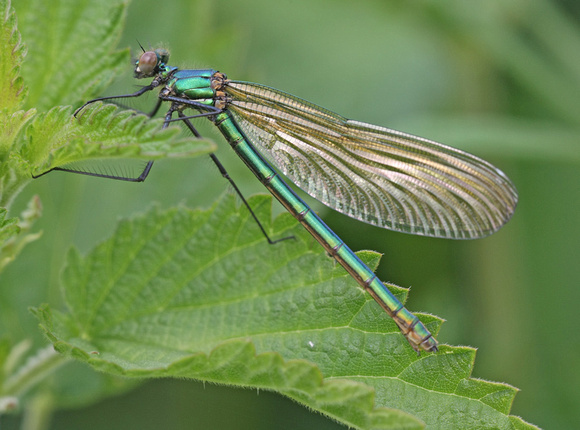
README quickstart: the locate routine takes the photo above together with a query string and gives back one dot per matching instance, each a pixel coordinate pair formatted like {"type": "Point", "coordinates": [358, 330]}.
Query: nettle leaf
{"type": "Point", "coordinates": [200, 294]}
{"type": "Point", "coordinates": [77, 61]}
{"type": "Point", "coordinates": [101, 132]}
{"type": "Point", "coordinates": [80, 58]}
{"type": "Point", "coordinates": [8, 227]}
{"type": "Point", "coordinates": [12, 90]}
{"type": "Point", "coordinates": [15, 233]}
{"type": "Point", "coordinates": [12, 53]}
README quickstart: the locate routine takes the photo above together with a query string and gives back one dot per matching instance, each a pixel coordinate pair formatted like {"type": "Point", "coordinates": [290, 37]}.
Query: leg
{"type": "Point", "coordinates": [140, 178]}
{"type": "Point", "coordinates": [147, 168]}
{"type": "Point", "coordinates": [123, 96]}
{"type": "Point", "coordinates": [194, 104]}
{"type": "Point", "coordinates": [225, 174]}
{"type": "Point", "coordinates": [223, 170]}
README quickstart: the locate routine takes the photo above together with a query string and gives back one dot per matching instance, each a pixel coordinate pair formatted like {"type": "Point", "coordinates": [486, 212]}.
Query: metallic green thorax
{"type": "Point", "coordinates": [210, 87]}
{"type": "Point", "coordinates": [193, 84]}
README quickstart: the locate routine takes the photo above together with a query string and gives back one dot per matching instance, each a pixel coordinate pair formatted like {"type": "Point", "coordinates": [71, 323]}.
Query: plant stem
{"type": "Point", "coordinates": [36, 369]}
{"type": "Point", "coordinates": [38, 412]}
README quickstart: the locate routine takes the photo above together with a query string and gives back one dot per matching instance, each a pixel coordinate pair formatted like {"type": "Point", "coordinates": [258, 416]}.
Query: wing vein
{"type": "Point", "coordinates": [371, 173]}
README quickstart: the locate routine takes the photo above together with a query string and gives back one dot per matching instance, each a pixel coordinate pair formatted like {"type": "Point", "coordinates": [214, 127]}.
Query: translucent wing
{"type": "Point", "coordinates": [374, 174]}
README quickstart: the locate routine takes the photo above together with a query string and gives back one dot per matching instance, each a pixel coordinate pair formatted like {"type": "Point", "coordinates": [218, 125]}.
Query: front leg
{"type": "Point", "coordinates": [142, 91]}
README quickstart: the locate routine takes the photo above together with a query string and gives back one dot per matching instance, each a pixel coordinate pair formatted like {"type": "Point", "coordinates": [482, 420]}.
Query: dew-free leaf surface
{"type": "Point", "coordinates": [200, 294]}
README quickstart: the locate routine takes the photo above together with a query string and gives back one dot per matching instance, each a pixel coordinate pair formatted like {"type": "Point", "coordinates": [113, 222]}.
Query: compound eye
{"type": "Point", "coordinates": [147, 63]}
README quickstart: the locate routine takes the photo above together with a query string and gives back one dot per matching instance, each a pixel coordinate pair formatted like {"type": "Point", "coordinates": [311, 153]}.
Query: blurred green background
{"type": "Point", "coordinates": [499, 79]}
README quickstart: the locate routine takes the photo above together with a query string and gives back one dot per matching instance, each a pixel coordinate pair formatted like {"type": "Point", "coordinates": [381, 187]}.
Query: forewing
{"type": "Point", "coordinates": [374, 174]}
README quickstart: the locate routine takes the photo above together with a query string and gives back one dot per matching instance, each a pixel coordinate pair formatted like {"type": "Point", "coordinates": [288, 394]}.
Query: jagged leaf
{"type": "Point", "coordinates": [32, 144]}
{"type": "Point", "coordinates": [15, 234]}
{"type": "Point", "coordinates": [100, 132]}
{"type": "Point", "coordinates": [200, 294]}
{"type": "Point", "coordinates": [12, 95]}
{"type": "Point", "coordinates": [12, 52]}
{"type": "Point", "coordinates": [81, 56]}
{"type": "Point", "coordinates": [8, 227]}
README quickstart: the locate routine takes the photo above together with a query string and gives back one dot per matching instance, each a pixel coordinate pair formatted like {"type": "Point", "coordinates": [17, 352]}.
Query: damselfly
{"type": "Point", "coordinates": [374, 174]}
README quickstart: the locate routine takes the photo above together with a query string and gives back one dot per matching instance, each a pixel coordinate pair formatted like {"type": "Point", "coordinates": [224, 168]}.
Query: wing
{"type": "Point", "coordinates": [374, 174]}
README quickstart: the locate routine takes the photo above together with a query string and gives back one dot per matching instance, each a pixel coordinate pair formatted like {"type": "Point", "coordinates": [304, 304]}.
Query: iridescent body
{"type": "Point", "coordinates": [374, 174]}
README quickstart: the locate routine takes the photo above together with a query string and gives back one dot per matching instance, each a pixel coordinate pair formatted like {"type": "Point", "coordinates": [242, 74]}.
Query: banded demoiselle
{"type": "Point", "coordinates": [374, 174]}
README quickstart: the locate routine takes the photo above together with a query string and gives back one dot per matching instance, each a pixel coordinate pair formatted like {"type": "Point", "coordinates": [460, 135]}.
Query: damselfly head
{"type": "Point", "coordinates": [150, 63]}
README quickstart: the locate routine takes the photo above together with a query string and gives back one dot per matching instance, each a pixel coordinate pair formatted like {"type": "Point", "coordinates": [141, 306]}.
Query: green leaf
{"type": "Point", "coordinates": [101, 132]}
{"type": "Point", "coordinates": [12, 88]}
{"type": "Point", "coordinates": [56, 138]}
{"type": "Point", "coordinates": [80, 57]}
{"type": "Point", "coordinates": [9, 357]}
{"type": "Point", "coordinates": [12, 53]}
{"type": "Point", "coordinates": [32, 144]}
{"type": "Point", "coordinates": [199, 294]}
{"type": "Point", "coordinates": [14, 233]}
{"type": "Point", "coordinates": [8, 226]}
